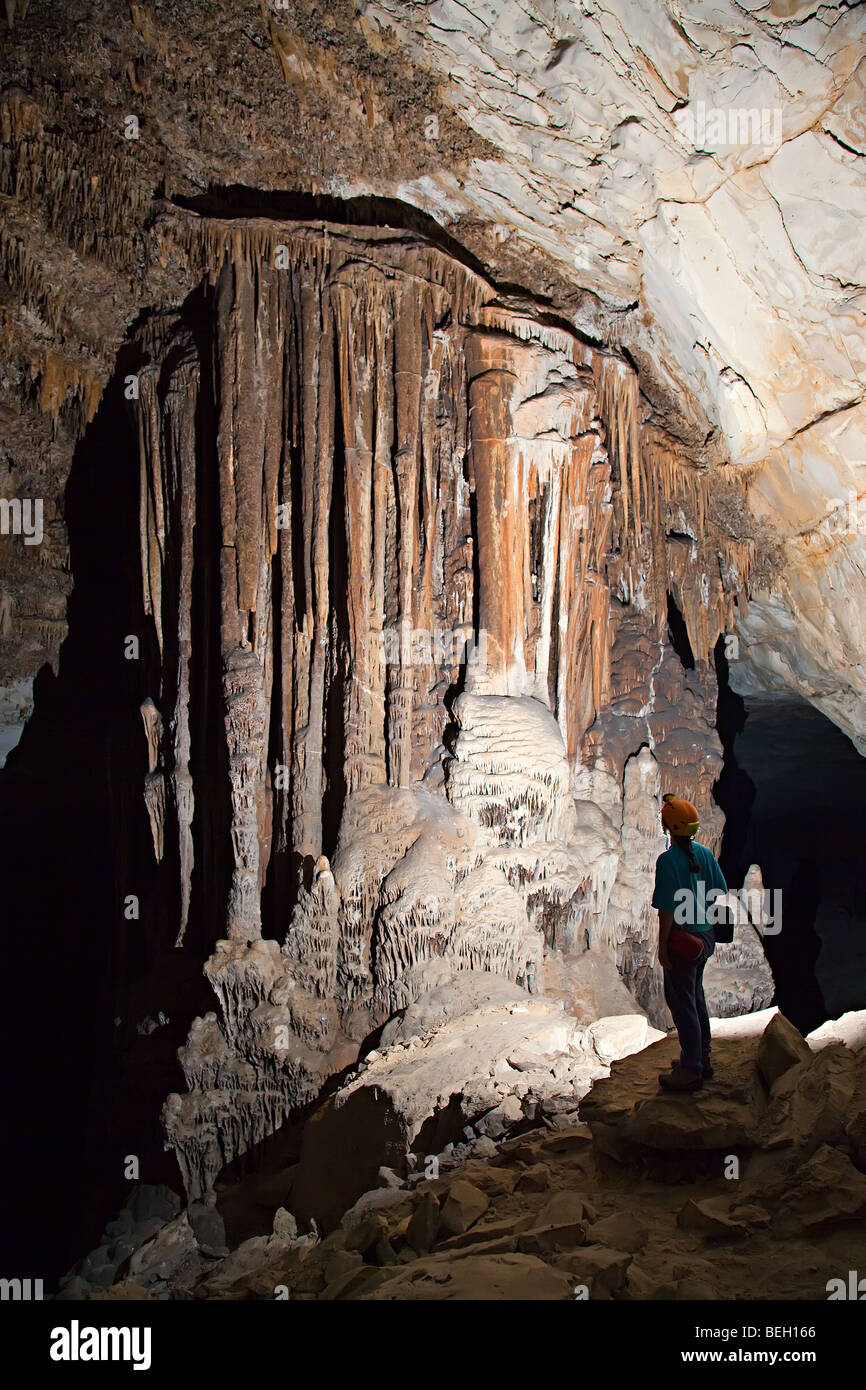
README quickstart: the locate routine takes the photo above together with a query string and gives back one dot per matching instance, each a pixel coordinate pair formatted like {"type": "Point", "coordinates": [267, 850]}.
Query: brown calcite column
{"type": "Point", "coordinates": [357, 413]}
{"type": "Point", "coordinates": [408, 386]}
{"type": "Point", "coordinates": [383, 505]}
{"type": "Point", "coordinates": [491, 384]}
{"type": "Point", "coordinates": [240, 449]}
{"type": "Point", "coordinates": [315, 407]}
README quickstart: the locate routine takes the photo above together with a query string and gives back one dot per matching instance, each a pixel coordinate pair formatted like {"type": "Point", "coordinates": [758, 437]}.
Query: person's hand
{"type": "Point", "coordinates": [666, 923]}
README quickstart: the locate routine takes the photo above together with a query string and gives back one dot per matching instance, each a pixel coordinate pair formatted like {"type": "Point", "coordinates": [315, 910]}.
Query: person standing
{"type": "Point", "coordinates": [687, 881]}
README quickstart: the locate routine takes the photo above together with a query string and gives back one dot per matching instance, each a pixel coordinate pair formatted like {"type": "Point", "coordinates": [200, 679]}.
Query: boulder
{"type": "Point", "coordinates": [619, 1036]}
{"type": "Point", "coordinates": [424, 1223]}
{"type": "Point", "coordinates": [560, 1225]}
{"type": "Point", "coordinates": [464, 1205]}
{"type": "Point", "coordinates": [483, 1147]}
{"type": "Point", "coordinates": [626, 1110]}
{"type": "Point", "coordinates": [370, 1237]}
{"type": "Point", "coordinates": [464, 993]}
{"type": "Point", "coordinates": [781, 1047]}
{"type": "Point", "coordinates": [380, 1199]}
{"type": "Point", "coordinates": [603, 1273]}
{"type": "Point", "coordinates": [535, 1178]}
{"type": "Point", "coordinates": [161, 1258]}
{"type": "Point", "coordinates": [589, 985]}
{"type": "Point", "coordinates": [711, 1217]}
{"type": "Point", "coordinates": [621, 1231]}
{"type": "Point", "coordinates": [493, 1179]}
{"type": "Point", "coordinates": [849, 1029]}
{"type": "Point", "coordinates": [811, 1103]}
{"type": "Point", "coordinates": [563, 1208]}
{"type": "Point", "coordinates": [501, 1118]}
{"type": "Point", "coordinates": [489, 1235]}
{"type": "Point", "coordinates": [825, 1191]}
{"type": "Point", "coordinates": [257, 1253]}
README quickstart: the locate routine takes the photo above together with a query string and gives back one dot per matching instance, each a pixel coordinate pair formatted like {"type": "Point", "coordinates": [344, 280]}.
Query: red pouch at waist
{"type": "Point", "coordinates": [685, 944]}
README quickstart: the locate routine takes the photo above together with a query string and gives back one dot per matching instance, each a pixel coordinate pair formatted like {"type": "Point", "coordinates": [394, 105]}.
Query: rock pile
{"type": "Point", "coordinates": [753, 1188]}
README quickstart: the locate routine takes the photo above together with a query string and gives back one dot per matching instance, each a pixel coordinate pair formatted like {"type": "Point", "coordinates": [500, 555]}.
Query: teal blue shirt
{"type": "Point", "coordinates": [689, 896]}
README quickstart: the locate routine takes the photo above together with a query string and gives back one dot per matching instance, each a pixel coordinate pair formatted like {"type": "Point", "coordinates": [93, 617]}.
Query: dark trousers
{"type": "Point", "coordinates": [684, 995]}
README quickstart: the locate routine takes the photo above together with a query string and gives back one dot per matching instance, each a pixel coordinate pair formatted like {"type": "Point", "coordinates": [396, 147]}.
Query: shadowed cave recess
{"type": "Point", "coordinates": [345, 432]}
{"type": "Point", "coordinates": [792, 790]}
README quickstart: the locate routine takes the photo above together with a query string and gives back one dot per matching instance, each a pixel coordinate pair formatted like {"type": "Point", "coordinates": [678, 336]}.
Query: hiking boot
{"type": "Point", "coordinates": [707, 1070]}
{"type": "Point", "coordinates": [681, 1079]}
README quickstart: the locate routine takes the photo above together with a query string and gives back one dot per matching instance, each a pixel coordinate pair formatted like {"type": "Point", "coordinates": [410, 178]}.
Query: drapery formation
{"type": "Point", "coordinates": [369, 482]}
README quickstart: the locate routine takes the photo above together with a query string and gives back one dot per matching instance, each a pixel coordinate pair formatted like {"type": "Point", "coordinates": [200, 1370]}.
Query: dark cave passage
{"type": "Point", "coordinates": [793, 791]}
{"type": "Point", "coordinates": [339, 646]}
{"type": "Point", "coordinates": [679, 634]}
{"type": "Point", "coordinates": [90, 1059]}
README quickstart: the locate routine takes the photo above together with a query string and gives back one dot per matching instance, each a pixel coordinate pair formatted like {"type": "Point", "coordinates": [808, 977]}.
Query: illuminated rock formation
{"type": "Point", "coordinates": [398, 453]}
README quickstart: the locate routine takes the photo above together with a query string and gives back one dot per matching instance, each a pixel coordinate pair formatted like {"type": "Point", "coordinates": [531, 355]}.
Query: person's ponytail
{"type": "Point", "coordinates": [685, 844]}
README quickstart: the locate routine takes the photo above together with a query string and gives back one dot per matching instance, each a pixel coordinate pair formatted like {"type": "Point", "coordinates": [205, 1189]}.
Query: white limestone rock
{"type": "Point", "coordinates": [423, 1096]}
{"type": "Point", "coordinates": [717, 157]}
{"type": "Point", "coordinates": [612, 1038]}
{"type": "Point", "coordinates": [849, 1029]}
{"type": "Point", "coordinates": [509, 772]}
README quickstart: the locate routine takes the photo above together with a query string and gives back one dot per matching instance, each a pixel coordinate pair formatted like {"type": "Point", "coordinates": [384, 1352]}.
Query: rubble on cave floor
{"type": "Point", "coordinates": [754, 1188]}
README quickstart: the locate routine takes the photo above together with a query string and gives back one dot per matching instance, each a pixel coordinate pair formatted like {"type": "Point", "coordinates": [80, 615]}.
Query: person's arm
{"type": "Point", "coordinates": [664, 901]}
{"type": "Point", "coordinates": [666, 921]}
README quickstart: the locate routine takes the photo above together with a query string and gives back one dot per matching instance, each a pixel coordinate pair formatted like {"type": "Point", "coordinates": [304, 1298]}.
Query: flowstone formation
{"type": "Point", "coordinates": [416, 548]}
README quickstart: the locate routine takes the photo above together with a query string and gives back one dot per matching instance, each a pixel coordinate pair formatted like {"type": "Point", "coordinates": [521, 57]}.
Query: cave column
{"type": "Point", "coordinates": [240, 452]}
{"type": "Point", "coordinates": [356, 396]}
{"type": "Point", "coordinates": [500, 563]}
{"type": "Point", "coordinates": [383, 491]}
{"type": "Point", "coordinates": [408, 388]}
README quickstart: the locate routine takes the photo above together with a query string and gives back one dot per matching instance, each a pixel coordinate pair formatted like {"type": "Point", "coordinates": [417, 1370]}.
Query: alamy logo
{"type": "Point", "coordinates": [20, 1290]}
{"type": "Point", "coordinates": [846, 516]}
{"type": "Point", "coordinates": [76, 1343]}
{"type": "Point", "coordinates": [854, 1288]}
{"type": "Point", "coordinates": [693, 907]}
{"type": "Point", "coordinates": [22, 517]}
{"type": "Point", "coordinates": [714, 127]}
{"type": "Point", "coordinates": [417, 646]}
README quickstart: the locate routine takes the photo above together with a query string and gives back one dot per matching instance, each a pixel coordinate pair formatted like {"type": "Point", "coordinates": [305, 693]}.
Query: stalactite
{"type": "Point", "coordinates": [167, 437]}
{"type": "Point", "coordinates": [618, 398]}
{"type": "Point", "coordinates": [181, 482]}
{"type": "Point", "coordinates": [154, 782]}
{"type": "Point", "coordinates": [89, 196]}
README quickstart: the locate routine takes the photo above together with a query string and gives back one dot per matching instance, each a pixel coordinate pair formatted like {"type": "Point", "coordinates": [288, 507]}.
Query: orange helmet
{"type": "Point", "coordinates": [679, 816]}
